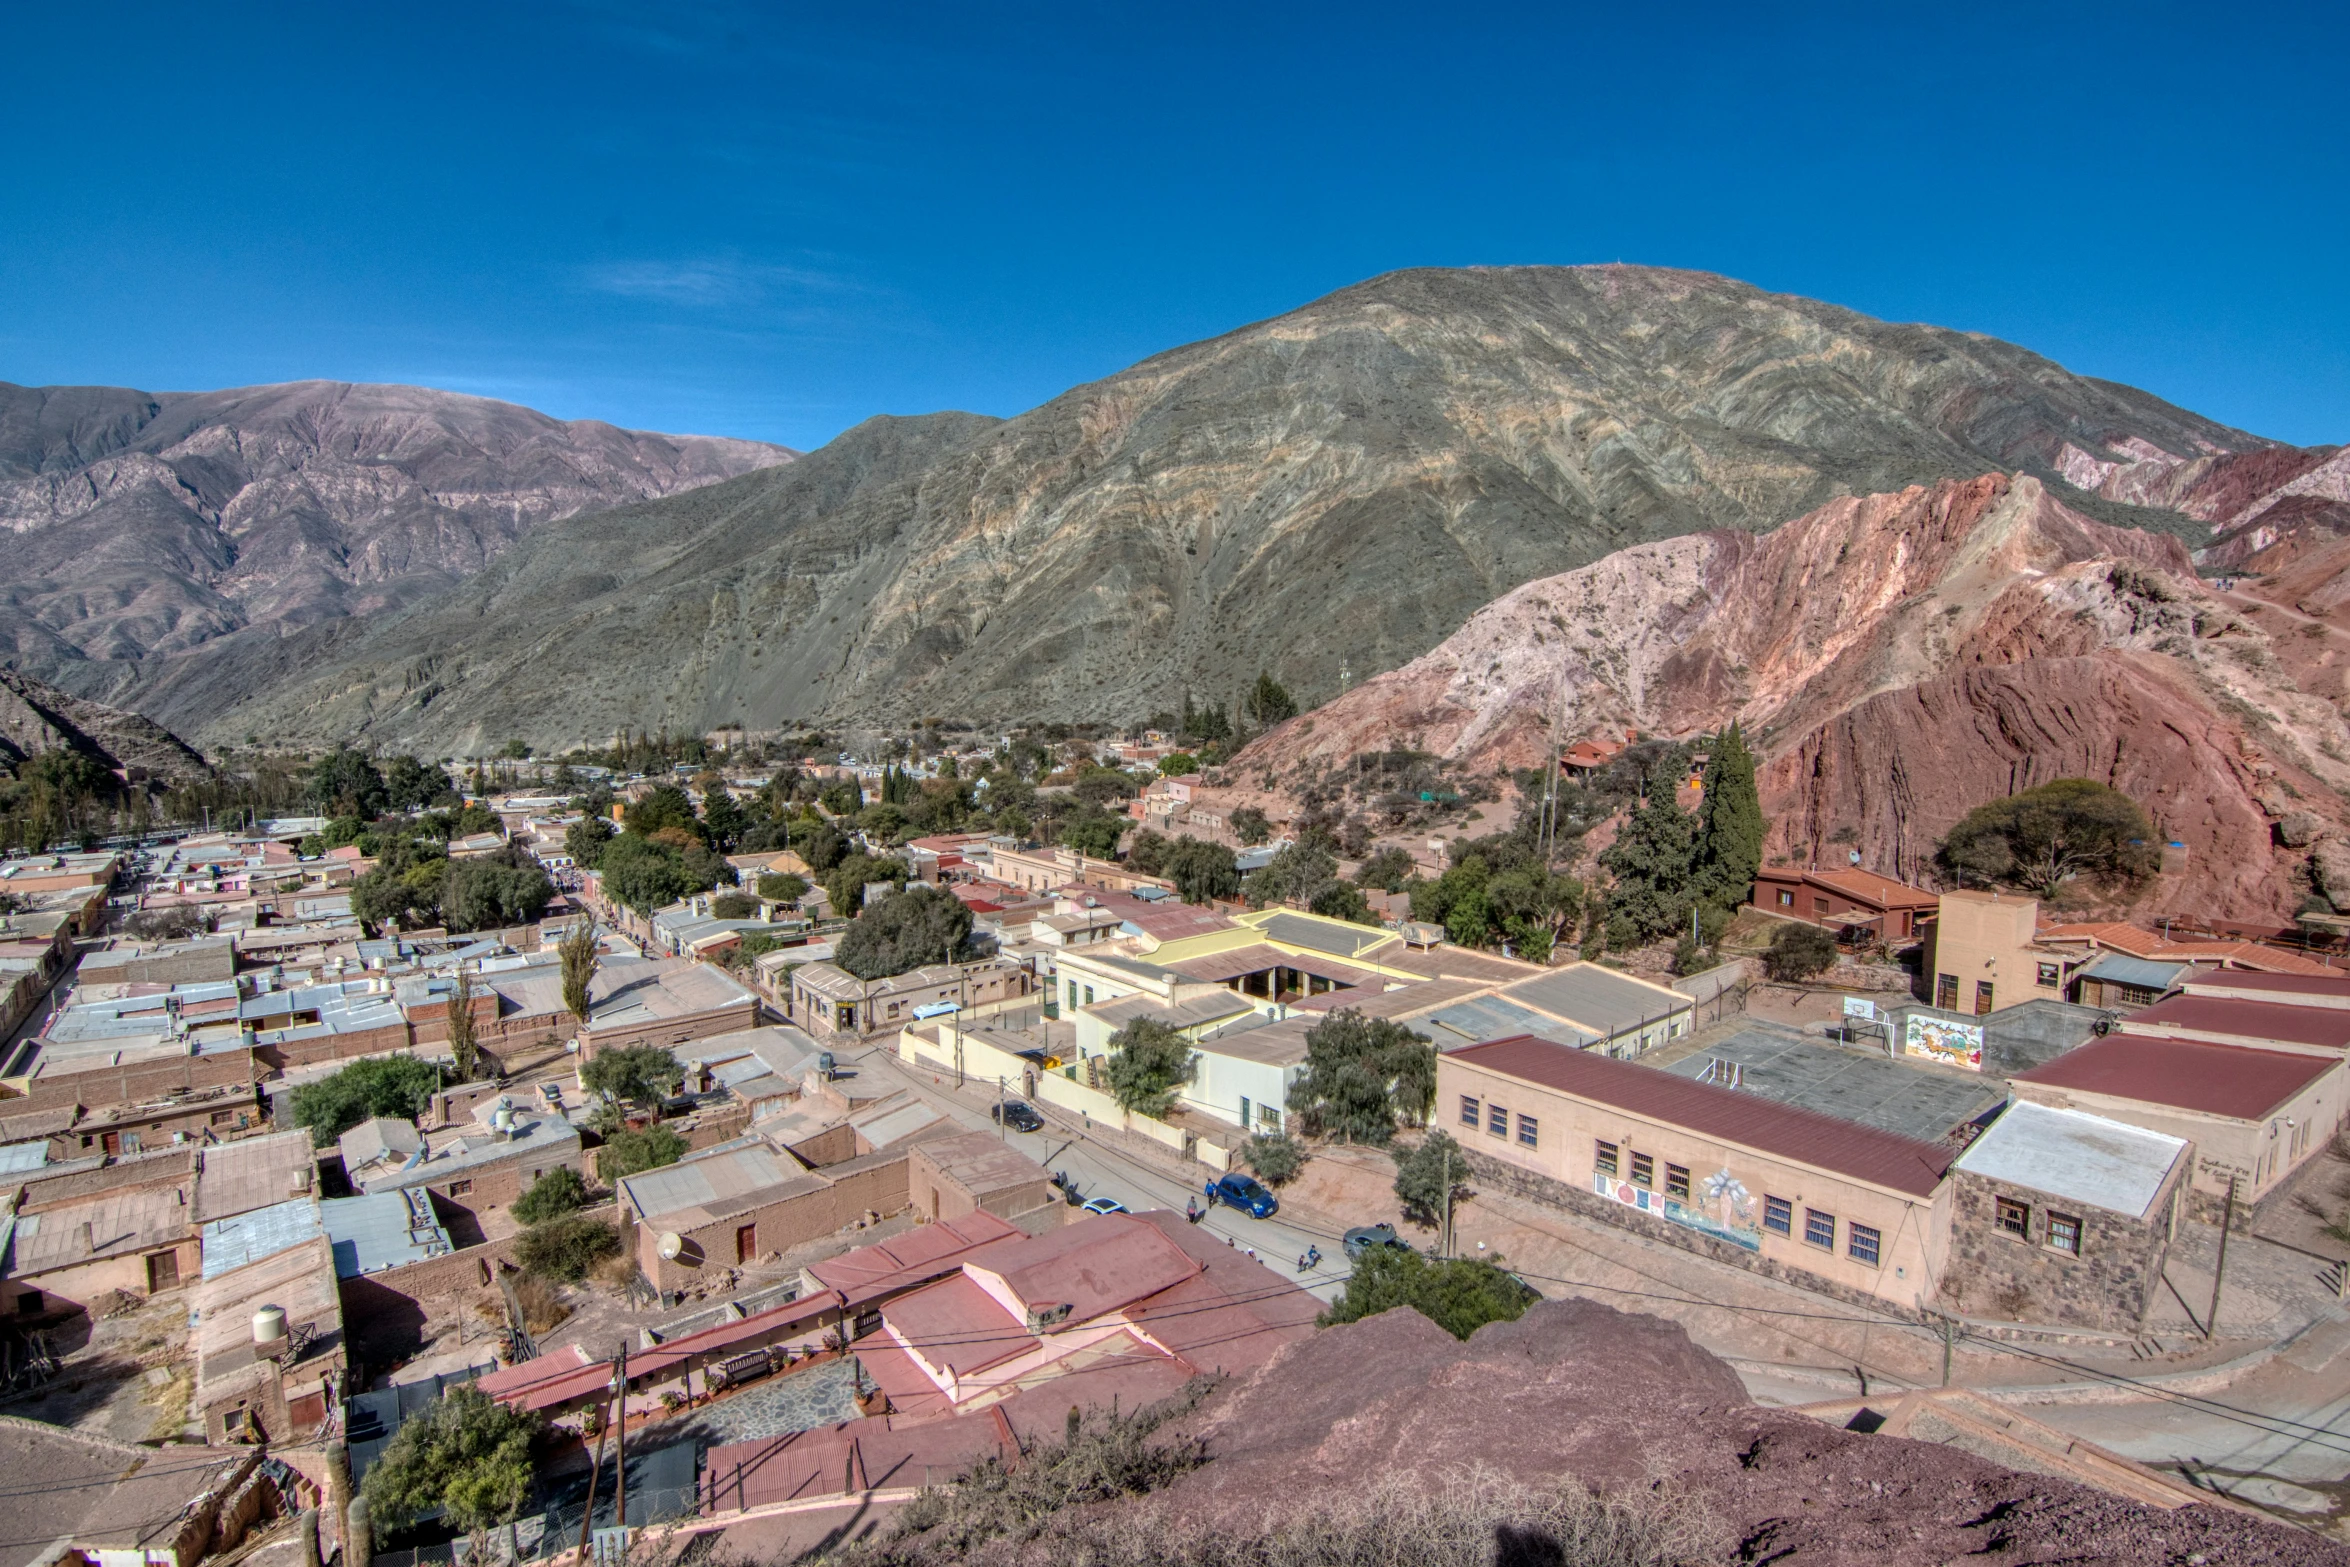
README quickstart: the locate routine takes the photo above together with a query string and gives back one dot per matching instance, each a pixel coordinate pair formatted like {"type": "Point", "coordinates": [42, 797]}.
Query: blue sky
{"type": "Point", "coordinates": [774, 222]}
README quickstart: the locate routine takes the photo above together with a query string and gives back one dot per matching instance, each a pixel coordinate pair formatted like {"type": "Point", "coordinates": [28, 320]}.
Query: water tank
{"type": "Point", "coordinates": [269, 1330]}
{"type": "Point", "coordinates": [672, 1245]}
{"type": "Point", "coordinates": [502, 1120]}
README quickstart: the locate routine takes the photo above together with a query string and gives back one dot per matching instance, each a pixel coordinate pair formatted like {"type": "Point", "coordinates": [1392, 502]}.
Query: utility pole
{"type": "Point", "coordinates": [587, 1516]}
{"type": "Point", "coordinates": [1448, 1203]}
{"type": "Point", "coordinates": [1003, 1133]}
{"type": "Point", "coordinates": [2219, 1270]}
{"type": "Point", "coordinates": [1949, 1343]}
{"type": "Point", "coordinates": [620, 1438]}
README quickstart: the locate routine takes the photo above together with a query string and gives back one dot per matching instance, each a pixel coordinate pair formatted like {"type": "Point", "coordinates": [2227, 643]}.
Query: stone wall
{"type": "Point", "coordinates": [2110, 1285]}
{"type": "Point", "coordinates": [1494, 1175]}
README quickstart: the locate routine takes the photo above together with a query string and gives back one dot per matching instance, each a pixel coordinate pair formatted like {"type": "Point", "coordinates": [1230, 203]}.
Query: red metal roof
{"type": "Point", "coordinates": [1869, 887]}
{"type": "Point", "coordinates": [925, 1252]}
{"type": "Point", "coordinates": [1822, 1141]}
{"type": "Point", "coordinates": [2237, 1081]}
{"type": "Point", "coordinates": [2277, 984]}
{"type": "Point", "coordinates": [2323, 1027]}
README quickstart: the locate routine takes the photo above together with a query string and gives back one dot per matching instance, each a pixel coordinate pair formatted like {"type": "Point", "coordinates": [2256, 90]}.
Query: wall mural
{"type": "Point", "coordinates": [1725, 1211]}
{"type": "Point", "coordinates": [1941, 1039]}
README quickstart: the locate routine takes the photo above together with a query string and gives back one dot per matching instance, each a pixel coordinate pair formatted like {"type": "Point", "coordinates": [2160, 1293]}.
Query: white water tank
{"type": "Point", "coordinates": [269, 1330]}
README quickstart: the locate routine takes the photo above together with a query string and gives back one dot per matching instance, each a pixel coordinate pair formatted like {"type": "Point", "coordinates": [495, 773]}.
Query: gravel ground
{"type": "Point", "coordinates": [822, 1395]}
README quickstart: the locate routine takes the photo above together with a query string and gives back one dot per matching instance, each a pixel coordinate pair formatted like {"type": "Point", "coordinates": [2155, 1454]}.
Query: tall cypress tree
{"type": "Point", "coordinates": [1730, 825]}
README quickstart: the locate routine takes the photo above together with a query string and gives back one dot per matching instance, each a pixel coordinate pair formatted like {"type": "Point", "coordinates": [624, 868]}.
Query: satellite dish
{"type": "Point", "coordinates": [672, 1245]}
{"type": "Point", "coordinates": [1852, 856]}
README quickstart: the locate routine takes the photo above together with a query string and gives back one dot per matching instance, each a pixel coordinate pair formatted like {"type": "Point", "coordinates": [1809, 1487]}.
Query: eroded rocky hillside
{"type": "Point", "coordinates": [1898, 659]}
{"type": "Point", "coordinates": [36, 718]}
{"type": "Point", "coordinates": [136, 527]}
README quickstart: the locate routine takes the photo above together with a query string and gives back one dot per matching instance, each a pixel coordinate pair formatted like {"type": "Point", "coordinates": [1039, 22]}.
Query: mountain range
{"type": "Point", "coordinates": [1325, 495]}
{"type": "Point", "coordinates": [141, 530]}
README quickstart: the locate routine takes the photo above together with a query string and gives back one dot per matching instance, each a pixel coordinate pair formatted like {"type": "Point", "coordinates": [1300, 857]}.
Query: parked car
{"type": "Point", "coordinates": [1105, 1205]}
{"type": "Point", "coordinates": [1019, 1115]}
{"type": "Point", "coordinates": [1364, 1237]}
{"type": "Point", "coordinates": [1244, 1192]}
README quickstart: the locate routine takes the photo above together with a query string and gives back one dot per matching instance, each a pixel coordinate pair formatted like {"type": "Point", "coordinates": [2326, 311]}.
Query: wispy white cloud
{"type": "Point", "coordinates": [710, 282]}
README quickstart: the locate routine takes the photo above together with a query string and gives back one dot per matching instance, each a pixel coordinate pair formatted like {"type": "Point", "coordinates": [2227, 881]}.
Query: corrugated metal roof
{"type": "Point", "coordinates": [2241, 1082]}
{"type": "Point", "coordinates": [1869, 1090]}
{"type": "Point", "coordinates": [718, 1177]}
{"type": "Point", "coordinates": [1344, 941]}
{"type": "Point", "coordinates": [1863, 1153]}
{"type": "Point", "coordinates": [264, 1232]}
{"type": "Point", "coordinates": [381, 1230]}
{"type": "Point", "coordinates": [2328, 1027]}
{"type": "Point", "coordinates": [1596, 998]}
{"type": "Point", "coordinates": [2121, 969]}
{"type": "Point", "coordinates": [1488, 1018]}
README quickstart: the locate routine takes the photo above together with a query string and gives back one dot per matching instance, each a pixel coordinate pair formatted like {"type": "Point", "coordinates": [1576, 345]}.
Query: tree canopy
{"type": "Point", "coordinates": [2047, 835]}
{"type": "Point", "coordinates": [1148, 1062]}
{"type": "Point", "coordinates": [1459, 1296]}
{"type": "Point", "coordinates": [397, 1086]}
{"type": "Point", "coordinates": [464, 1453]}
{"type": "Point", "coordinates": [1652, 861]}
{"type": "Point", "coordinates": [634, 1074]}
{"type": "Point", "coordinates": [1363, 1075]}
{"type": "Point", "coordinates": [554, 1194]}
{"type": "Point", "coordinates": [1425, 1175]}
{"type": "Point", "coordinates": [630, 1152]}
{"type": "Point", "coordinates": [1202, 872]}
{"type": "Point", "coordinates": [565, 1247]}
{"type": "Point", "coordinates": [1268, 702]}
{"type": "Point", "coordinates": [1730, 825]}
{"type": "Point", "coordinates": [908, 929]}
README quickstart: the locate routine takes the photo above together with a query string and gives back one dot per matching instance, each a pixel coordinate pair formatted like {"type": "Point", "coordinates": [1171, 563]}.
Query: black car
{"type": "Point", "coordinates": [1019, 1116]}
{"type": "Point", "coordinates": [1363, 1237]}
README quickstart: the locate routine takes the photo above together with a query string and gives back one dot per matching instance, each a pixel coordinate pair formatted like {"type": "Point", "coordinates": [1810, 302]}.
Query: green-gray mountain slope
{"type": "Point", "coordinates": [1334, 489]}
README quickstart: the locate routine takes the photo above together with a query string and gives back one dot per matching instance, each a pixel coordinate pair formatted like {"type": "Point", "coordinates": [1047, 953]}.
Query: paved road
{"type": "Point", "coordinates": [1101, 1167]}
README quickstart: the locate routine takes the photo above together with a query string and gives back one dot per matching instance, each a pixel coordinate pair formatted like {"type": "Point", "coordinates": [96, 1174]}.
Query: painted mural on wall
{"type": "Point", "coordinates": [1945, 1040]}
{"type": "Point", "coordinates": [1722, 1208]}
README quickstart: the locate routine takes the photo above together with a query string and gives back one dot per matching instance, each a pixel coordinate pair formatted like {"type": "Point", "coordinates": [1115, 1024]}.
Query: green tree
{"type": "Point", "coordinates": [1147, 852]}
{"type": "Point", "coordinates": [724, 818]}
{"type": "Point", "coordinates": [1202, 872]}
{"type": "Point", "coordinates": [554, 1194]}
{"type": "Point", "coordinates": [584, 841]}
{"type": "Point", "coordinates": [845, 883]}
{"type": "Point", "coordinates": [1250, 826]}
{"type": "Point", "coordinates": [1148, 1062]}
{"type": "Point", "coordinates": [1730, 825]}
{"type": "Point", "coordinates": [645, 875]}
{"type": "Point", "coordinates": [1362, 1075]}
{"type": "Point", "coordinates": [1293, 875]}
{"type": "Point", "coordinates": [462, 1048]}
{"type": "Point", "coordinates": [665, 805]}
{"type": "Point", "coordinates": [1651, 861]}
{"type": "Point", "coordinates": [397, 1086]}
{"type": "Point", "coordinates": [906, 930]}
{"type": "Point", "coordinates": [1095, 833]}
{"type": "Point", "coordinates": [1459, 1296]}
{"type": "Point", "coordinates": [1431, 1180]}
{"type": "Point", "coordinates": [631, 1152]}
{"type": "Point", "coordinates": [1389, 870]}
{"type": "Point", "coordinates": [1268, 703]}
{"type": "Point", "coordinates": [2047, 835]}
{"type": "Point", "coordinates": [782, 887]}
{"type": "Point", "coordinates": [464, 1453]}
{"type": "Point", "coordinates": [578, 955]}
{"type": "Point", "coordinates": [1276, 1157]}
{"type": "Point", "coordinates": [1340, 900]}
{"type": "Point", "coordinates": [566, 1247]}
{"type": "Point", "coordinates": [642, 1075]}
{"type": "Point", "coordinates": [734, 906]}
{"type": "Point", "coordinates": [1175, 764]}
{"type": "Point", "coordinates": [346, 783]}
{"type": "Point", "coordinates": [1798, 952]}
{"type": "Point", "coordinates": [1534, 907]}
{"type": "Point", "coordinates": [487, 893]}
{"type": "Point", "coordinates": [411, 785]}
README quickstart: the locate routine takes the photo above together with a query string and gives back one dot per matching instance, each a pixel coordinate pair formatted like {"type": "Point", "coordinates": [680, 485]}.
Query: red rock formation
{"type": "Point", "coordinates": [1899, 659]}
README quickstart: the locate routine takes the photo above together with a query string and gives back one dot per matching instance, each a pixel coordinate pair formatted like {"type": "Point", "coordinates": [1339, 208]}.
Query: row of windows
{"type": "Point", "coordinates": [1496, 1121]}
{"type": "Point", "coordinates": [1862, 1243]}
{"type": "Point", "coordinates": [2063, 1232]}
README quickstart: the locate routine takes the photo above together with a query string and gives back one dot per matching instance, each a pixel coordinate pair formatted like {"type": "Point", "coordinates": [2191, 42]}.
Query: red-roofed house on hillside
{"type": "Point", "coordinates": [1135, 1304]}
{"type": "Point", "coordinates": [1846, 900]}
{"type": "Point", "coordinates": [1832, 1204]}
{"type": "Point", "coordinates": [2255, 1115]}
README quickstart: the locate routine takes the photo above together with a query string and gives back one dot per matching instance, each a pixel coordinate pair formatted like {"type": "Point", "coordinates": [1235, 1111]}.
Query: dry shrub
{"type": "Point", "coordinates": [541, 1311]}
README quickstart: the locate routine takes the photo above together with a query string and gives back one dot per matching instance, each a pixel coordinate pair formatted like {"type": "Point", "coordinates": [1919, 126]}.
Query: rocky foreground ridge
{"type": "Point", "coordinates": [137, 526]}
{"type": "Point", "coordinates": [1334, 490]}
{"type": "Point", "coordinates": [1576, 1393]}
{"type": "Point", "coordinates": [1897, 659]}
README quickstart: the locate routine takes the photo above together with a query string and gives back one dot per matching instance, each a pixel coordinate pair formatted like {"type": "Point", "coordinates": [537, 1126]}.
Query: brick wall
{"type": "Point", "coordinates": [879, 1186]}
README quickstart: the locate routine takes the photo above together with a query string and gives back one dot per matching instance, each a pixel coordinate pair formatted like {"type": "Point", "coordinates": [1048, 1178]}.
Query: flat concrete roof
{"type": "Point", "coordinates": [1868, 1089]}
{"type": "Point", "coordinates": [2076, 1156]}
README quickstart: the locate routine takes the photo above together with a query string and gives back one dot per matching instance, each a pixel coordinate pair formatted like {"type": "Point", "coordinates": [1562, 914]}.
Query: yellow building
{"type": "Point", "coordinates": [1984, 953]}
